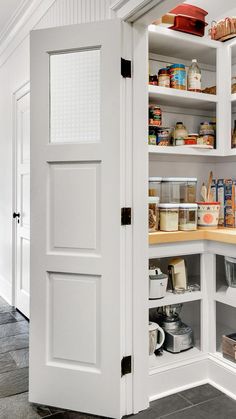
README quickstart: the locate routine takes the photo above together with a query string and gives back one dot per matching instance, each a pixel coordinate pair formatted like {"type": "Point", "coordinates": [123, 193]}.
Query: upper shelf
{"type": "Point", "coordinates": [182, 98]}
{"type": "Point", "coordinates": [163, 41]}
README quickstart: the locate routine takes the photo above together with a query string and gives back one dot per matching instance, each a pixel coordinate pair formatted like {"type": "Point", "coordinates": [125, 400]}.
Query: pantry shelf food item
{"type": "Point", "coordinates": [187, 217]}
{"type": "Point", "coordinates": [224, 29]}
{"type": "Point", "coordinates": [169, 216]}
{"type": "Point", "coordinates": [194, 77]}
{"type": "Point", "coordinates": [177, 76]}
{"type": "Point", "coordinates": [155, 115]}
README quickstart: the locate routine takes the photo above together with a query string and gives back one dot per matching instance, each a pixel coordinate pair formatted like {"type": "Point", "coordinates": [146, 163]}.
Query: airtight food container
{"type": "Point", "coordinates": [154, 186]}
{"type": "Point", "coordinates": [178, 190]}
{"type": "Point", "coordinates": [169, 217]}
{"type": "Point", "coordinates": [187, 217]}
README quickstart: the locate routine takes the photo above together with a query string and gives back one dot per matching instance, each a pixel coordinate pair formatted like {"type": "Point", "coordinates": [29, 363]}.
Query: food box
{"type": "Point", "coordinates": [220, 198]}
{"type": "Point", "coordinates": [214, 190]}
{"type": "Point", "coordinates": [229, 347]}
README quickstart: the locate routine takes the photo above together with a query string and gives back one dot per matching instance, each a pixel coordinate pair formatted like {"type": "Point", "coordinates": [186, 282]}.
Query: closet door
{"type": "Point", "coordinates": [75, 342]}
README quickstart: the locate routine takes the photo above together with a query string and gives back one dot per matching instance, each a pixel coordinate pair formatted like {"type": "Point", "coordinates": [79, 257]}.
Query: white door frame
{"type": "Point", "coordinates": [18, 94]}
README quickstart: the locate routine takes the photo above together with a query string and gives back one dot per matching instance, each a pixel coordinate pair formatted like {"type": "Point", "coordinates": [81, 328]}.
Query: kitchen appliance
{"type": "Point", "coordinates": [157, 284]}
{"type": "Point", "coordinates": [156, 337]}
{"type": "Point", "coordinates": [178, 335]}
{"type": "Point", "coordinates": [178, 273]}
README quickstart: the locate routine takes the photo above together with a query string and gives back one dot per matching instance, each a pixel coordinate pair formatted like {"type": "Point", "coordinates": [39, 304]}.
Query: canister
{"type": "Point", "coordinates": [177, 76]}
{"type": "Point", "coordinates": [164, 77]}
{"type": "Point", "coordinates": [178, 189]}
{"type": "Point", "coordinates": [153, 213]}
{"type": "Point", "coordinates": [154, 186]}
{"type": "Point", "coordinates": [187, 217]}
{"type": "Point", "coordinates": [169, 217]}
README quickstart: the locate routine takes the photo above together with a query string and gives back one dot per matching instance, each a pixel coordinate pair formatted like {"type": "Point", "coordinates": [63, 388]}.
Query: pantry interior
{"type": "Point", "coordinates": [210, 311]}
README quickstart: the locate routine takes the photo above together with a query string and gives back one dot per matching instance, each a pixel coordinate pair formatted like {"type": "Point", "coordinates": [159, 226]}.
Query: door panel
{"type": "Point", "coordinates": [23, 203]}
{"type": "Point", "coordinates": [75, 338]}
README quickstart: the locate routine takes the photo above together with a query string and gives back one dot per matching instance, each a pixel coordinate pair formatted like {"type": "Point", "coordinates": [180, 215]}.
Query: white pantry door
{"type": "Point", "coordinates": [22, 214]}
{"type": "Point", "coordinates": [75, 333]}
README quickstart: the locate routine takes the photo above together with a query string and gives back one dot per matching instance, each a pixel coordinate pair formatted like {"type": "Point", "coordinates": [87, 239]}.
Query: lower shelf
{"type": "Point", "coordinates": [226, 295]}
{"type": "Point", "coordinates": [171, 298]}
{"type": "Point", "coordinates": [219, 356]}
{"type": "Point", "coordinates": [167, 360]}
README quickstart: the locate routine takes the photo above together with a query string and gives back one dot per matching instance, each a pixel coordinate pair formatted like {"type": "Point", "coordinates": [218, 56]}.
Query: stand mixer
{"type": "Point", "coordinates": [178, 336]}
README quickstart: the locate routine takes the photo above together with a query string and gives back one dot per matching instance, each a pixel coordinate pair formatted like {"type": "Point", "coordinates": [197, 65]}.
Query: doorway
{"type": "Point", "coordinates": [21, 200]}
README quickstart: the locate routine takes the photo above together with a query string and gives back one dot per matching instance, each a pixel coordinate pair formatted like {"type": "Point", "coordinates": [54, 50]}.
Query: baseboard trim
{"type": "Point", "coordinates": [6, 290]}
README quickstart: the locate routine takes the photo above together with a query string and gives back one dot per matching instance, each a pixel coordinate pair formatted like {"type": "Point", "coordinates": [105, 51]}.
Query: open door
{"type": "Point", "coordinates": [75, 333]}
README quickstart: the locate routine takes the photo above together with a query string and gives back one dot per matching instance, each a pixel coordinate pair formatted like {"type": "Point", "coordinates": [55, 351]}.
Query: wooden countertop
{"type": "Point", "coordinates": [224, 235]}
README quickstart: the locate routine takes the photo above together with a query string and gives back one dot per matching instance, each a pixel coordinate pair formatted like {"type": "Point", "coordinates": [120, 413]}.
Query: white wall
{"type": "Point", "coordinates": [15, 72]}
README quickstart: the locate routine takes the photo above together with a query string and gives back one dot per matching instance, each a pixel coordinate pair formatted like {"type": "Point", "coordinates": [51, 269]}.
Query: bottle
{"type": "Point", "coordinates": [194, 77]}
{"type": "Point", "coordinates": [233, 142]}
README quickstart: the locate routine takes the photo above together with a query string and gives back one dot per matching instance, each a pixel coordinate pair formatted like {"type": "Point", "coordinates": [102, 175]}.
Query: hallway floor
{"type": "Point", "coordinates": [204, 402]}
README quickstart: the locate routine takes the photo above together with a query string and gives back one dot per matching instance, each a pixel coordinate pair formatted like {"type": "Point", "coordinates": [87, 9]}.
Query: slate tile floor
{"type": "Point", "coordinates": [204, 402]}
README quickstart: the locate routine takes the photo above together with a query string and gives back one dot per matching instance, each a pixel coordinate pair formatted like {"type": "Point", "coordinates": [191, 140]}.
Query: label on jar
{"type": "Point", "coordinates": [194, 82]}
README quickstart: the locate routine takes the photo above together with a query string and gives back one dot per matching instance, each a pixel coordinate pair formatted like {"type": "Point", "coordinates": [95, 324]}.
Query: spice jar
{"type": "Point", "coordinates": [164, 77]}
{"type": "Point", "coordinates": [169, 216]}
{"type": "Point", "coordinates": [187, 217]}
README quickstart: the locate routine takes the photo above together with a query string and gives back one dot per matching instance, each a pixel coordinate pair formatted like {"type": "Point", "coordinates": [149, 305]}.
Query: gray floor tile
{"type": "Point", "coordinates": [7, 318]}
{"type": "Point", "coordinates": [17, 407]}
{"type": "Point", "coordinates": [13, 343]}
{"type": "Point", "coordinates": [14, 382]}
{"type": "Point", "coordinates": [169, 404]}
{"type": "Point", "coordinates": [21, 357]}
{"type": "Point", "coordinates": [220, 408]}
{"type": "Point", "coordinates": [18, 316]}
{"type": "Point", "coordinates": [72, 415]}
{"type": "Point", "coordinates": [11, 329]}
{"type": "Point", "coordinates": [200, 394]}
{"type": "Point", "coordinates": [7, 363]}
{"type": "Point", "coordinates": [192, 412]}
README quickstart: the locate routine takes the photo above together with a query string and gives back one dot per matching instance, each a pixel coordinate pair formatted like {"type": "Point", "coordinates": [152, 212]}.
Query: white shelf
{"type": "Point", "coordinates": [171, 298]}
{"type": "Point", "coordinates": [182, 150]}
{"type": "Point", "coordinates": [181, 98]}
{"type": "Point", "coordinates": [164, 41]}
{"type": "Point", "coordinates": [167, 360]}
{"type": "Point", "coordinates": [226, 295]}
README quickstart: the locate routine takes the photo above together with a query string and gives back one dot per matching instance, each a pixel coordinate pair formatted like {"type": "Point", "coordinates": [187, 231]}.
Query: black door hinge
{"type": "Point", "coordinates": [125, 68]}
{"type": "Point", "coordinates": [126, 365]}
{"type": "Point", "coordinates": [125, 216]}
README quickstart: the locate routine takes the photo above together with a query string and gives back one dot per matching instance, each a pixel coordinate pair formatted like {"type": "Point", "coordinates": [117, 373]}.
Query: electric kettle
{"type": "Point", "coordinates": [157, 284]}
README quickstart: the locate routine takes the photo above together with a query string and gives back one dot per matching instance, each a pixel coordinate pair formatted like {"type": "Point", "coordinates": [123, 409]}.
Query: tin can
{"type": "Point", "coordinates": [177, 76]}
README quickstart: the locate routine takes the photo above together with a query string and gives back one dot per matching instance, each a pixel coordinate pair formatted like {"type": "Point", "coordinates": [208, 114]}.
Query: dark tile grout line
{"type": "Point", "coordinates": [184, 398]}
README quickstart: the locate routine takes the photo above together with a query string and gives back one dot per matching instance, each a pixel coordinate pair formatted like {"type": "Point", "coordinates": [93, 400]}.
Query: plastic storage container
{"type": "Point", "coordinates": [187, 217]}
{"type": "Point", "coordinates": [153, 213]}
{"type": "Point", "coordinates": [155, 186]}
{"type": "Point", "coordinates": [169, 217]}
{"type": "Point", "coordinates": [230, 270]}
{"type": "Point", "coordinates": [178, 190]}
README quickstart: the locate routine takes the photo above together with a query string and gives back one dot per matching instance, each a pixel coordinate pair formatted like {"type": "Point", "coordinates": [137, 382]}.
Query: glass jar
{"type": "Point", "coordinates": [169, 217]}
{"type": "Point", "coordinates": [180, 133]}
{"type": "Point", "coordinates": [153, 213]}
{"type": "Point", "coordinates": [177, 190]}
{"type": "Point", "coordinates": [164, 77]}
{"type": "Point", "coordinates": [155, 115]}
{"type": "Point", "coordinates": [187, 217]}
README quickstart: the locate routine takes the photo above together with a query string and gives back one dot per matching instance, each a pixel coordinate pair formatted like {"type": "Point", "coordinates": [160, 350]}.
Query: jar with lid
{"type": "Point", "coordinates": [155, 186]}
{"type": "Point", "coordinates": [155, 115]}
{"type": "Point", "coordinates": [153, 79]}
{"type": "Point", "coordinates": [187, 217]}
{"type": "Point", "coordinates": [177, 190]}
{"type": "Point", "coordinates": [164, 77]}
{"type": "Point", "coordinates": [233, 141]}
{"type": "Point", "coordinates": [153, 213]}
{"type": "Point", "coordinates": [169, 217]}
{"type": "Point", "coordinates": [177, 76]}
{"type": "Point", "coordinates": [180, 133]}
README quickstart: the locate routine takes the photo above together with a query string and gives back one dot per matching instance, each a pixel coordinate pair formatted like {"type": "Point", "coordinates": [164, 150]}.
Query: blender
{"type": "Point", "coordinates": [178, 335]}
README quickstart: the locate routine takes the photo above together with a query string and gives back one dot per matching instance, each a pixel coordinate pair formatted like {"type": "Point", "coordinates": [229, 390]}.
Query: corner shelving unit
{"type": "Point", "coordinates": [165, 47]}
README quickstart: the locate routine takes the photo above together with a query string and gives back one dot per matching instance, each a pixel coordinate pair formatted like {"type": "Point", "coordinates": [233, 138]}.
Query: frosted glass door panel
{"type": "Point", "coordinates": [75, 97]}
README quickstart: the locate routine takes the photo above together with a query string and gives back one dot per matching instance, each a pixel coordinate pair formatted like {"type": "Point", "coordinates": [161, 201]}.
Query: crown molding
{"type": "Point", "coordinates": [26, 16]}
